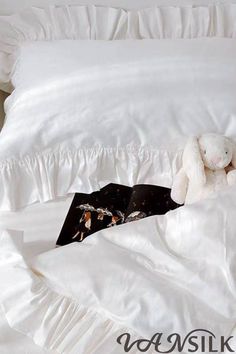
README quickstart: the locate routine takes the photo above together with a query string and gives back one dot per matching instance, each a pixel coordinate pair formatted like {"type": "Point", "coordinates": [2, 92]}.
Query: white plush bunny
{"type": "Point", "coordinates": [209, 163]}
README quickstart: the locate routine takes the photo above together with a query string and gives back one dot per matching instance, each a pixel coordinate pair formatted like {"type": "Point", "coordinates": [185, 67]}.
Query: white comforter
{"type": "Point", "coordinates": [86, 113]}
{"type": "Point", "coordinates": [172, 273]}
{"type": "Point", "coordinates": [41, 224]}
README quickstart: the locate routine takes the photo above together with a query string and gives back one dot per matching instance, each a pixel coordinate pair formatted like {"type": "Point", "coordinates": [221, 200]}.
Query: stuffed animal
{"type": "Point", "coordinates": [209, 163]}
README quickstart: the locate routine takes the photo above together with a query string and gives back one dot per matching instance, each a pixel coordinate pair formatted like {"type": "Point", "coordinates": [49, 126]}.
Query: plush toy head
{"type": "Point", "coordinates": [210, 150]}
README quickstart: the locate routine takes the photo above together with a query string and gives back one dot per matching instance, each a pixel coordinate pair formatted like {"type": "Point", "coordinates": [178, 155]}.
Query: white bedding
{"type": "Point", "coordinates": [110, 111]}
{"type": "Point", "coordinates": [13, 6]}
{"type": "Point", "coordinates": [13, 342]}
{"type": "Point", "coordinates": [116, 112]}
{"type": "Point", "coordinates": [41, 224]}
{"type": "Point", "coordinates": [109, 23]}
{"type": "Point", "coordinates": [118, 281]}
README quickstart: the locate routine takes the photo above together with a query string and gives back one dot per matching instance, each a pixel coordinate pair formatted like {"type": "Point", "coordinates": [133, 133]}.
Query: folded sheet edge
{"type": "Point", "coordinates": [52, 321]}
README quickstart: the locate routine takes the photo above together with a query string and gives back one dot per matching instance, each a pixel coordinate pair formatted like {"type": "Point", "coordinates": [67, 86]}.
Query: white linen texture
{"type": "Point", "coordinates": [107, 23]}
{"type": "Point", "coordinates": [170, 273]}
{"type": "Point", "coordinates": [87, 113]}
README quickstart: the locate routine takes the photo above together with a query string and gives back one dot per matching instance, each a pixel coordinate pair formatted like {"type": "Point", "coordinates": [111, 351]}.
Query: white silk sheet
{"type": "Point", "coordinates": [171, 273]}
{"type": "Point", "coordinates": [41, 224]}
{"type": "Point", "coordinates": [87, 113]}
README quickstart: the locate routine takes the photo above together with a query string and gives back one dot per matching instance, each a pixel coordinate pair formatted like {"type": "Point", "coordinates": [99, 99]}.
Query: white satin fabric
{"type": "Point", "coordinates": [14, 342]}
{"type": "Point", "coordinates": [86, 113]}
{"type": "Point", "coordinates": [14, 6]}
{"type": "Point", "coordinates": [41, 224]}
{"type": "Point", "coordinates": [106, 23]}
{"type": "Point", "coordinates": [171, 273]}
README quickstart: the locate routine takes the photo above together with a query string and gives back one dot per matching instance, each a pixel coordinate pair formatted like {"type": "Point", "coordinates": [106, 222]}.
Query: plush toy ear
{"type": "Point", "coordinates": [192, 162]}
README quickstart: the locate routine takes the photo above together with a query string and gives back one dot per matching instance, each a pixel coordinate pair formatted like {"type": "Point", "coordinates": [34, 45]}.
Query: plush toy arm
{"type": "Point", "coordinates": [180, 186]}
{"type": "Point", "coordinates": [231, 178]}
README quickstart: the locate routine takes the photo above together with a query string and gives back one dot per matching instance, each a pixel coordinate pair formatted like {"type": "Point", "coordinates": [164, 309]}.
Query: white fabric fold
{"type": "Point", "coordinates": [164, 274]}
{"type": "Point", "coordinates": [107, 23]}
{"type": "Point", "coordinates": [110, 111]}
{"type": "Point", "coordinates": [43, 177]}
{"type": "Point", "coordinates": [53, 321]}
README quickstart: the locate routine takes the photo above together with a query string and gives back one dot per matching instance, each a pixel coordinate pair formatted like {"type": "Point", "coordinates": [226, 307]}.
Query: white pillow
{"type": "Point", "coordinates": [94, 22]}
{"type": "Point", "coordinates": [86, 113]}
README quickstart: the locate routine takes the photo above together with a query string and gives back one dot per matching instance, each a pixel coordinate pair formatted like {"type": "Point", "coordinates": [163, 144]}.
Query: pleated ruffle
{"type": "Point", "coordinates": [106, 23]}
{"type": "Point", "coordinates": [45, 176]}
{"type": "Point", "coordinates": [53, 321]}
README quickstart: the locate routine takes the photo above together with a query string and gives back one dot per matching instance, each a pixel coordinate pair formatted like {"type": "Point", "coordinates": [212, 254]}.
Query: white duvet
{"type": "Point", "coordinates": [168, 274]}
{"type": "Point", "coordinates": [86, 113]}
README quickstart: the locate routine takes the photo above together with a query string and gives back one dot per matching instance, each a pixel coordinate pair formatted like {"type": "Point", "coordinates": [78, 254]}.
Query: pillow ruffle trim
{"type": "Point", "coordinates": [106, 23]}
{"type": "Point", "coordinates": [45, 176]}
{"type": "Point", "coordinates": [52, 321]}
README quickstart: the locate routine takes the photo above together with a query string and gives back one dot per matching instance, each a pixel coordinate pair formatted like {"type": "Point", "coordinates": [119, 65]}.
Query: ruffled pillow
{"type": "Point", "coordinates": [93, 22]}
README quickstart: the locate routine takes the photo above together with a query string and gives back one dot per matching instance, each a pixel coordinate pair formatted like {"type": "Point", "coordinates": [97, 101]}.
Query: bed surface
{"type": "Point", "coordinates": [12, 342]}
{"type": "Point", "coordinates": [41, 224]}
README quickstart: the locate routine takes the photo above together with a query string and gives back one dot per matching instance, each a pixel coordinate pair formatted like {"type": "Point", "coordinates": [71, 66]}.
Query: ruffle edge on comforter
{"type": "Point", "coordinates": [106, 23]}
{"type": "Point", "coordinates": [45, 176]}
{"type": "Point", "coordinates": [53, 321]}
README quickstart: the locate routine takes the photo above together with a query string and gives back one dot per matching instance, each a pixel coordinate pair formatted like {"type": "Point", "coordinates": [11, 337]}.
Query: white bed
{"type": "Point", "coordinates": [41, 223]}
{"type": "Point", "coordinates": [12, 6]}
